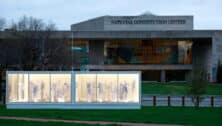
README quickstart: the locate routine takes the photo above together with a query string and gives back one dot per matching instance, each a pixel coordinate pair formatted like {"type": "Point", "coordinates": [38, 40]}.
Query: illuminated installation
{"type": "Point", "coordinates": [74, 90]}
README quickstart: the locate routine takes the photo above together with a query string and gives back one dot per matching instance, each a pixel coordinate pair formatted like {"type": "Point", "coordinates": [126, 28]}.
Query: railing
{"type": "Point", "coordinates": [180, 100]}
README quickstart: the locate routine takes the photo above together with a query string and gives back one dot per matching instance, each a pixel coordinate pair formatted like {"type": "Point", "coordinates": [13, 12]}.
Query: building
{"type": "Point", "coordinates": [164, 48]}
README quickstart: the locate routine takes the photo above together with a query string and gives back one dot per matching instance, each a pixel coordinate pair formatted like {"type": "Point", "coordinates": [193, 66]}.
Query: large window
{"type": "Point", "coordinates": [107, 88]}
{"type": "Point", "coordinates": [39, 87]}
{"type": "Point", "coordinates": [156, 51]}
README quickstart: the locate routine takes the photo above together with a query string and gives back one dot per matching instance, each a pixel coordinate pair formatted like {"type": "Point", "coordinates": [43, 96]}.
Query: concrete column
{"type": "Point", "coordinates": [163, 76]}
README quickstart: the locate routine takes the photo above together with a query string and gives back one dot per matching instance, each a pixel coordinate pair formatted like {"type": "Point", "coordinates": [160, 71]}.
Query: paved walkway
{"type": "Point", "coordinates": [80, 122]}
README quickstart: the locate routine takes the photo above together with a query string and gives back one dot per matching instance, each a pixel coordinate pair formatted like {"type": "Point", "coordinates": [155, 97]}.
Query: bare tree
{"type": "Point", "coordinates": [2, 23]}
{"type": "Point", "coordinates": [32, 34]}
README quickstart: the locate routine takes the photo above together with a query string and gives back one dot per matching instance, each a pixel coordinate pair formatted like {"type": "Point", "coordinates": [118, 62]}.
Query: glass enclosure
{"type": "Point", "coordinates": [107, 88]}
{"type": "Point", "coordinates": [155, 51]}
{"type": "Point", "coordinates": [90, 87]}
{"type": "Point", "coordinates": [39, 87]}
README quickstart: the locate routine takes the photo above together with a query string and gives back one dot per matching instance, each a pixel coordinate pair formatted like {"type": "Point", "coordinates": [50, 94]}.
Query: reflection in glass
{"type": "Point", "coordinates": [60, 87]}
{"type": "Point", "coordinates": [39, 87]}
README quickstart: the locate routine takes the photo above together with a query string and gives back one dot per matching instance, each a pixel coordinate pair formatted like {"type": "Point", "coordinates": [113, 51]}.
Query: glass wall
{"type": "Point", "coordinates": [107, 88]}
{"type": "Point", "coordinates": [89, 87]}
{"type": "Point", "coordinates": [155, 51]}
{"type": "Point", "coordinates": [39, 87]}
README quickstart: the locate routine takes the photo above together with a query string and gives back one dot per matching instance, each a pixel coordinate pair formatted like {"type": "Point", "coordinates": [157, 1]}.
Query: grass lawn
{"type": "Point", "coordinates": [176, 88]}
{"type": "Point", "coordinates": [31, 123]}
{"type": "Point", "coordinates": [162, 115]}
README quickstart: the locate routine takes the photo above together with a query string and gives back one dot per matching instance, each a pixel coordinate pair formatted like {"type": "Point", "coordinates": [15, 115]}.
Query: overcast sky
{"type": "Point", "coordinates": [207, 13]}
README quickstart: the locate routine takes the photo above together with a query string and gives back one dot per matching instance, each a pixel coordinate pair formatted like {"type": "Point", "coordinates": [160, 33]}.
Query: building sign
{"type": "Point", "coordinates": [148, 21]}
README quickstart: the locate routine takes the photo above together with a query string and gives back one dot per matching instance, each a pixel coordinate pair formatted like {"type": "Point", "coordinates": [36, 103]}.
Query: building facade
{"type": "Point", "coordinates": [164, 48]}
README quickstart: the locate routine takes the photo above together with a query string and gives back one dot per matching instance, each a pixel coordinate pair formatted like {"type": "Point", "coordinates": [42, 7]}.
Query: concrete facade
{"type": "Point", "coordinates": [135, 23]}
{"type": "Point", "coordinates": [207, 44]}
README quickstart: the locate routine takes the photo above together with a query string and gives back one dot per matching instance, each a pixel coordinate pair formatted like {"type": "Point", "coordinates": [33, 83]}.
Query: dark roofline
{"type": "Point", "coordinates": [123, 34]}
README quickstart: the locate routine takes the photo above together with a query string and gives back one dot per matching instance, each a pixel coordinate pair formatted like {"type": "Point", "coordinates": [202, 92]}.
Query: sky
{"type": "Point", "coordinates": [207, 13]}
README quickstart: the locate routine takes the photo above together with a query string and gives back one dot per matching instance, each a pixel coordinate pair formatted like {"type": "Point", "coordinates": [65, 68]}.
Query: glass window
{"type": "Point", "coordinates": [128, 88]}
{"type": "Point", "coordinates": [39, 87]}
{"type": "Point", "coordinates": [155, 51]}
{"type": "Point", "coordinates": [106, 87]}
{"type": "Point", "coordinates": [85, 87]}
{"type": "Point", "coordinates": [60, 88]}
{"type": "Point", "coordinates": [18, 87]}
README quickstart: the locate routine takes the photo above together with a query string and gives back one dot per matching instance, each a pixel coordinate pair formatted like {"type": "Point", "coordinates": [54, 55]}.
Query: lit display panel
{"type": "Point", "coordinates": [107, 88]}
{"type": "Point", "coordinates": [39, 87]}
{"type": "Point", "coordinates": [89, 87]}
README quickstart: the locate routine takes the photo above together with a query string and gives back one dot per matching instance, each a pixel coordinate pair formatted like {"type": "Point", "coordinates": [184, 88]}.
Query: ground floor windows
{"type": "Point", "coordinates": [165, 75]}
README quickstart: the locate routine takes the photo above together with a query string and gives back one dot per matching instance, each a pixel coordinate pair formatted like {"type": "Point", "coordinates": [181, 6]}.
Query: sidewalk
{"type": "Point", "coordinates": [80, 122]}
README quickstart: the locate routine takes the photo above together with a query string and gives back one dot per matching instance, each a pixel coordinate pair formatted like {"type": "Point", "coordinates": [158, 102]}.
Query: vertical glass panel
{"type": "Point", "coordinates": [12, 88]}
{"type": "Point", "coordinates": [39, 87]}
{"type": "Point", "coordinates": [60, 87]}
{"type": "Point", "coordinates": [18, 87]}
{"type": "Point", "coordinates": [85, 87]}
{"type": "Point", "coordinates": [107, 87]}
{"type": "Point", "coordinates": [128, 88]}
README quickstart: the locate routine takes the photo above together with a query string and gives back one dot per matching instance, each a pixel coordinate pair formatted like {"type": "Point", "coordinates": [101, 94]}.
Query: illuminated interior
{"type": "Point", "coordinates": [39, 87]}
{"type": "Point", "coordinates": [89, 87]}
{"type": "Point", "coordinates": [18, 87]}
{"type": "Point", "coordinates": [107, 88]}
{"type": "Point", "coordinates": [60, 88]}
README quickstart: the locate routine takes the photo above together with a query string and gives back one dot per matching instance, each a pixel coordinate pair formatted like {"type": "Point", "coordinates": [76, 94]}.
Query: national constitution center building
{"type": "Point", "coordinates": [163, 48]}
